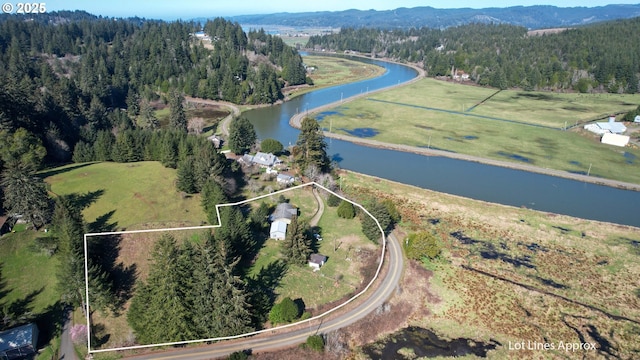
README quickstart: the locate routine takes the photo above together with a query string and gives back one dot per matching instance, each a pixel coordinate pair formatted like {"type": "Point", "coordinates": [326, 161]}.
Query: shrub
{"type": "Point", "coordinates": [271, 146]}
{"type": "Point", "coordinates": [284, 312]}
{"type": "Point", "coordinates": [315, 342]}
{"type": "Point", "coordinates": [422, 244]}
{"type": "Point", "coordinates": [333, 200]}
{"type": "Point", "coordinates": [346, 210]}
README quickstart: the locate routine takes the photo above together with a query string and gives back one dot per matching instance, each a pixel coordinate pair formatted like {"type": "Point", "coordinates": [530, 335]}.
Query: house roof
{"type": "Point", "coordinates": [612, 126]}
{"type": "Point", "coordinates": [278, 226]}
{"type": "Point", "coordinates": [266, 159]}
{"type": "Point", "coordinates": [284, 211]}
{"type": "Point", "coordinates": [615, 139]}
{"type": "Point", "coordinates": [317, 259]}
{"type": "Point", "coordinates": [285, 178]}
{"type": "Point", "coordinates": [18, 337]}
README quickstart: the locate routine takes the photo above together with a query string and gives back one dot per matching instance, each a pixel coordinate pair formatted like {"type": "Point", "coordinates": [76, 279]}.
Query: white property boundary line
{"type": "Point", "coordinates": [218, 206]}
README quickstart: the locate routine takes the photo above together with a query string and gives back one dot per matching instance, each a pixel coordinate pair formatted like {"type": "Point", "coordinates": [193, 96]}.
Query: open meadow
{"type": "Point", "coordinates": [513, 274]}
{"type": "Point", "coordinates": [516, 126]}
{"type": "Point", "coordinates": [127, 196]}
{"type": "Point", "coordinates": [330, 71]}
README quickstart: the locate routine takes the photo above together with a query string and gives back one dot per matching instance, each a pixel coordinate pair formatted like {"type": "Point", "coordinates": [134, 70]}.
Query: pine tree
{"type": "Point", "coordinates": [186, 181]}
{"type": "Point", "coordinates": [177, 115]}
{"type": "Point", "coordinates": [296, 245]}
{"type": "Point", "coordinates": [159, 311]}
{"type": "Point", "coordinates": [242, 135]}
{"type": "Point", "coordinates": [311, 147]}
{"type": "Point", "coordinates": [212, 195]}
{"type": "Point", "coordinates": [26, 194]}
{"type": "Point", "coordinates": [69, 227]}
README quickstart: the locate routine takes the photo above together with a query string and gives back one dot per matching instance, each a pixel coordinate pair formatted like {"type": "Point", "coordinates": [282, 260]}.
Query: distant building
{"type": "Point", "coordinates": [19, 342]}
{"type": "Point", "coordinates": [610, 127]}
{"type": "Point", "coordinates": [615, 139]}
{"type": "Point", "coordinates": [316, 261]}
{"type": "Point", "coordinates": [263, 159]}
{"type": "Point", "coordinates": [637, 119]}
{"type": "Point", "coordinates": [216, 140]}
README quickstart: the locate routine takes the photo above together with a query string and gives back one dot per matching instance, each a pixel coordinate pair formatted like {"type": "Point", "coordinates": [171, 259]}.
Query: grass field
{"type": "Point", "coordinates": [127, 196]}
{"type": "Point", "coordinates": [441, 115]}
{"type": "Point", "coordinates": [514, 274]}
{"type": "Point", "coordinates": [332, 71]}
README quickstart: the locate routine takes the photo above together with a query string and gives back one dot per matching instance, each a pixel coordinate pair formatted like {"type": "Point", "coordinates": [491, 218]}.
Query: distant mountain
{"type": "Point", "coordinates": [532, 17]}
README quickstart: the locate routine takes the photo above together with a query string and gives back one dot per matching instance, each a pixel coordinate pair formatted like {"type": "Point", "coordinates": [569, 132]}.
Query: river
{"type": "Point", "coordinates": [469, 179]}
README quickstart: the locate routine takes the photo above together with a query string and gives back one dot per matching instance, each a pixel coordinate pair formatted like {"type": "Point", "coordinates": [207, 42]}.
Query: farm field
{"type": "Point", "coordinates": [513, 274]}
{"type": "Point", "coordinates": [127, 196]}
{"type": "Point", "coordinates": [332, 71]}
{"type": "Point", "coordinates": [515, 126]}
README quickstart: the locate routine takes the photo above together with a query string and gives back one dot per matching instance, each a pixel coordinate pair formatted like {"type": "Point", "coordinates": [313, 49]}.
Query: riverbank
{"type": "Point", "coordinates": [296, 120]}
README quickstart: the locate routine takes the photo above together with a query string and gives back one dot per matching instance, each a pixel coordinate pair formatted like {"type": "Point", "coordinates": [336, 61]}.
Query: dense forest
{"type": "Point", "coordinates": [66, 76]}
{"type": "Point", "coordinates": [590, 58]}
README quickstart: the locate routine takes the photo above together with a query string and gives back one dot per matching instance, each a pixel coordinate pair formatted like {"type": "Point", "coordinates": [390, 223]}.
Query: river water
{"type": "Point", "coordinates": [469, 179]}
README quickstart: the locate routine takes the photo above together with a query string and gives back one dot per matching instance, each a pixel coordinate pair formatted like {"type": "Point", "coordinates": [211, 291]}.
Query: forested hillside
{"type": "Point", "coordinates": [601, 57]}
{"type": "Point", "coordinates": [66, 76]}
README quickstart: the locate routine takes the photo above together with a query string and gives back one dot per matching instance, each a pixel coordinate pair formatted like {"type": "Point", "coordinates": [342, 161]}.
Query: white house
{"type": "Point", "coordinates": [285, 179]}
{"type": "Point", "coordinates": [637, 119]}
{"type": "Point", "coordinates": [615, 139]}
{"type": "Point", "coordinates": [611, 126]}
{"type": "Point", "coordinates": [265, 159]}
{"type": "Point", "coordinates": [278, 230]}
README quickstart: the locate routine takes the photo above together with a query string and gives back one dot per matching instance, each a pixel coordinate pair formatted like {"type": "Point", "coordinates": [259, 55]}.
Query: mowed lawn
{"type": "Point", "coordinates": [437, 114]}
{"type": "Point", "coordinates": [131, 195]}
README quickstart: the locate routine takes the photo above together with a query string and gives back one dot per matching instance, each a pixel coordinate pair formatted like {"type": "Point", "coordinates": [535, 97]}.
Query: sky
{"type": "Point", "coordinates": [187, 9]}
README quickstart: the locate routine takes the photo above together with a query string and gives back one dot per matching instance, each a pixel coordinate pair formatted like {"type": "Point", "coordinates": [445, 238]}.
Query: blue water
{"type": "Point", "coordinates": [464, 178]}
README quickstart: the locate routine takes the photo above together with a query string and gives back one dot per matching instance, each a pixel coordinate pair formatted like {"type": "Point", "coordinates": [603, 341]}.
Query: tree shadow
{"type": "Point", "coordinates": [83, 201]}
{"type": "Point", "coordinates": [105, 251]}
{"type": "Point", "coordinates": [102, 223]}
{"type": "Point", "coordinates": [45, 174]}
{"type": "Point", "coordinates": [50, 322]}
{"type": "Point", "coordinates": [262, 290]}
{"type": "Point", "coordinates": [301, 306]}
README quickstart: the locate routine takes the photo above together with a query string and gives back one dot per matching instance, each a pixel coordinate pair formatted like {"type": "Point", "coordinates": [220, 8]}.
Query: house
{"type": "Point", "coordinates": [278, 230]}
{"type": "Point", "coordinates": [19, 342]}
{"type": "Point", "coordinates": [610, 127]}
{"type": "Point", "coordinates": [615, 139]}
{"type": "Point", "coordinates": [316, 261]}
{"type": "Point", "coordinates": [284, 212]}
{"type": "Point", "coordinates": [265, 159]}
{"type": "Point", "coordinates": [216, 140]}
{"type": "Point", "coordinates": [636, 119]}
{"type": "Point", "coordinates": [285, 179]}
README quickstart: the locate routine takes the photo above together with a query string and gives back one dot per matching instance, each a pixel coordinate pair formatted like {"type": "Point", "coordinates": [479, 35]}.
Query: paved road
{"type": "Point", "coordinates": [285, 338]}
{"type": "Point", "coordinates": [66, 352]}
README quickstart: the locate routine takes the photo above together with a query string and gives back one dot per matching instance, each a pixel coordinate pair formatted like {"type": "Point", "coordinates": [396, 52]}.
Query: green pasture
{"type": "Point", "coordinates": [436, 120]}
{"type": "Point", "coordinates": [127, 195]}
{"type": "Point", "coordinates": [331, 71]}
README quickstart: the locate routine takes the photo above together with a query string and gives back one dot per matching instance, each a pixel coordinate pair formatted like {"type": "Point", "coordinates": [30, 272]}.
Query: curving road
{"type": "Point", "coordinates": [286, 338]}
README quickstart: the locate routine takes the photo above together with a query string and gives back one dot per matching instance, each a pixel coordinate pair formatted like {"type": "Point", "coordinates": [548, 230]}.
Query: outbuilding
{"type": "Point", "coordinates": [316, 261]}
{"type": "Point", "coordinates": [278, 230]}
{"type": "Point", "coordinates": [615, 139]}
{"type": "Point", "coordinates": [19, 342]}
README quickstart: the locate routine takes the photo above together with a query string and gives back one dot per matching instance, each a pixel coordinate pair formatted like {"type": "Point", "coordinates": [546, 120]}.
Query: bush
{"type": "Point", "coordinates": [315, 342]}
{"type": "Point", "coordinates": [271, 146]}
{"type": "Point", "coordinates": [333, 200]}
{"type": "Point", "coordinates": [238, 355]}
{"type": "Point", "coordinates": [284, 312]}
{"type": "Point", "coordinates": [346, 210]}
{"type": "Point", "coordinates": [422, 244]}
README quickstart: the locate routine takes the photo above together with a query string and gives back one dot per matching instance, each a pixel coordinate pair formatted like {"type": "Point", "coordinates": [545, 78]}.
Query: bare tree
{"type": "Point", "coordinates": [195, 125]}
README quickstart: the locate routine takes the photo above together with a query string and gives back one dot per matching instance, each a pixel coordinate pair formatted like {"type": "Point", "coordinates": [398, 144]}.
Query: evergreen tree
{"type": "Point", "coordinates": [212, 195]}
{"type": "Point", "coordinates": [242, 135]}
{"type": "Point", "coordinates": [296, 245]}
{"type": "Point", "coordinates": [159, 312]}
{"type": "Point", "coordinates": [26, 194]}
{"type": "Point", "coordinates": [271, 146]}
{"type": "Point", "coordinates": [177, 115]}
{"type": "Point", "coordinates": [284, 312]}
{"type": "Point", "coordinates": [186, 181]}
{"type": "Point", "coordinates": [148, 115]}
{"type": "Point", "coordinates": [69, 228]}
{"type": "Point", "coordinates": [311, 147]}
{"type": "Point", "coordinates": [346, 210]}
{"type": "Point", "coordinates": [370, 227]}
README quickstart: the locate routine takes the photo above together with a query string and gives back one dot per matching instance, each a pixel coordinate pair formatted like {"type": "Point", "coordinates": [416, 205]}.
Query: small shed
{"type": "Point", "coordinates": [316, 261]}
{"type": "Point", "coordinates": [216, 140]}
{"type": "Point", "coordinates": [278, 230]}
{"type": "Point", "coordinates": [615, 139]}
{"type": "Point", "coordinates": [636, 119]}
{"type": "Point", "coordinates": [19, 342]}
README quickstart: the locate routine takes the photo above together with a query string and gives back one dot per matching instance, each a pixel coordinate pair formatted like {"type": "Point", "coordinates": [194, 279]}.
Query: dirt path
{"type": "Point", "coordinates": [316, 217]}
{"type": "Point", "coordinates": [224, 124]}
